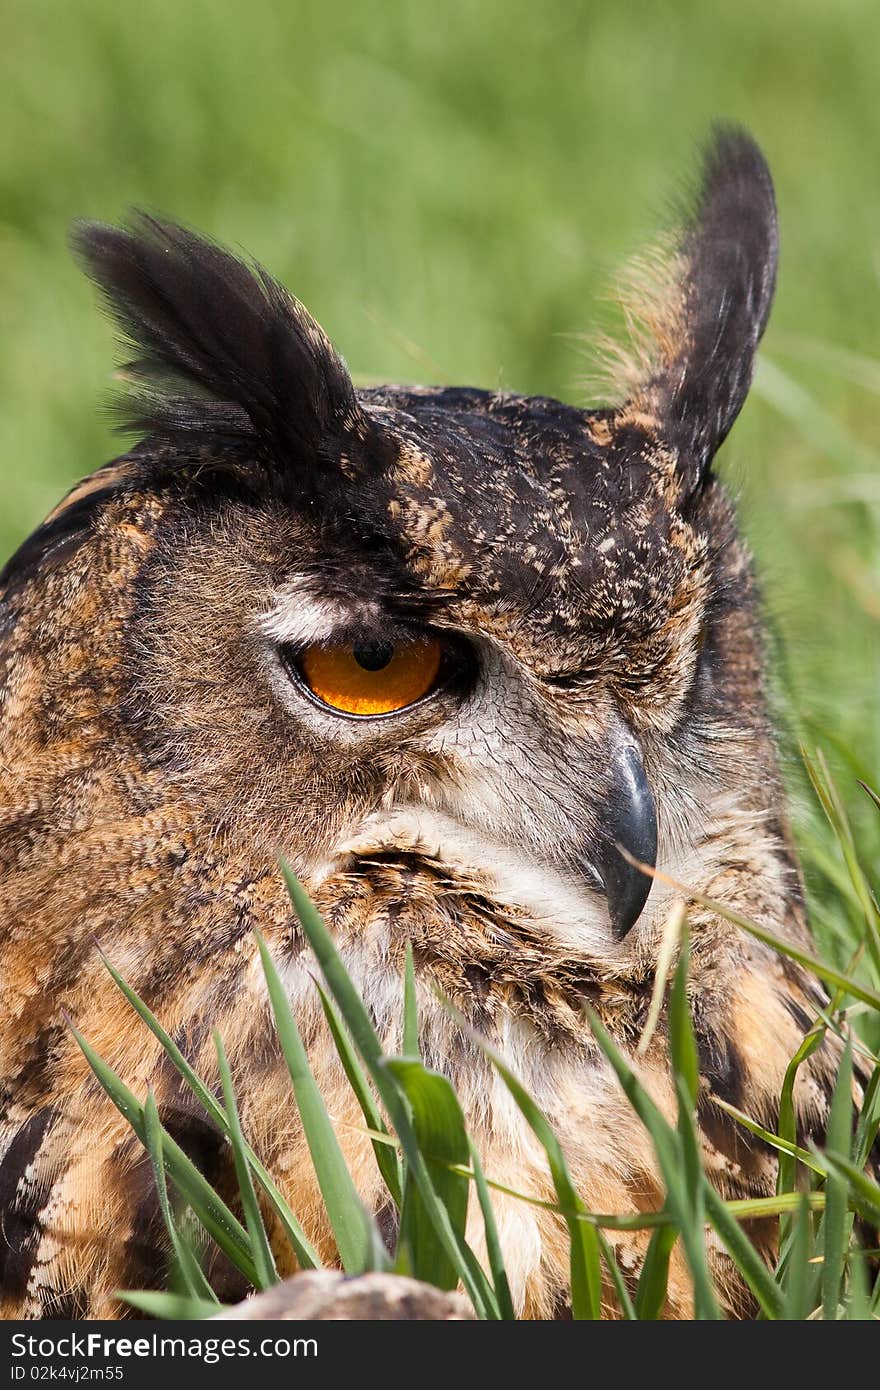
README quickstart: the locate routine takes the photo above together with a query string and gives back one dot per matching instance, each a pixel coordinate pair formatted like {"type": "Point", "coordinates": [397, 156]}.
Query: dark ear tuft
{"type": "Point", "coordinates": [704, 314]}
{"type": "Point", "coordinates": [223, 352]}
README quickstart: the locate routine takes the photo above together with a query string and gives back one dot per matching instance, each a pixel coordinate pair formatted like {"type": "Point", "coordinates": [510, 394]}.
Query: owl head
{"type": "Point", "coordinates": [468, 659]}
{"type": "Point", "coordinates": [496, 635]}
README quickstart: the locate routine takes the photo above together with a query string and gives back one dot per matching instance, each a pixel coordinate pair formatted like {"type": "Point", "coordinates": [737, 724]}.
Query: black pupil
{"type": "Point", "coordinates": [373, 656]}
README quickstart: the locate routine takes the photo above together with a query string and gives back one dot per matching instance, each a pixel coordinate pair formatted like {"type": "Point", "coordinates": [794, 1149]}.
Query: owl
{"type": "Point", "coordinates": [464, 657]}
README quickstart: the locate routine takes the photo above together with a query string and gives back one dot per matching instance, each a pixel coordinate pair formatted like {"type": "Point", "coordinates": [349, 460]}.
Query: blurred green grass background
{"type": "Point", "coordinates": [449, 188]}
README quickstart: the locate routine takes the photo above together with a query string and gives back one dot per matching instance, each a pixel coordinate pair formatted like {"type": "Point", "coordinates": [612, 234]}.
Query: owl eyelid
{"type": "Point", "coordinates": [361, 634]}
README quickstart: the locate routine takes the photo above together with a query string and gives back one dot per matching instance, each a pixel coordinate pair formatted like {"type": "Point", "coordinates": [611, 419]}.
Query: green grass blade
{"type": "Point", "coordinates": [693, 1216]}
{"type": "Point", "coordinates": [831, 976]}
{"type": "Point", "coordinates": [864, 1193]}
{"type": "Point", "coordinates": [195, 1284]}
{"type": "Point", "coordinates": [386, 1157]}
{"type": "Point", "coordinates": [439, 1127]}
{"type": "Point", "coordinates": [668, 1149]}
{"type": "Point", "coordinates": [347, 999]}
{"type": "Point", "coordinates": [366, 1041]}
{"type": "Point", "coordinates": [345, 1211]}
{"type": "Point", "coordinates": [786, 1178]}
{"type": "Point", "coordinates": [264, 1262]}
{"type": "Point", "coordinates": [869, 1120]}
{"type": "Point", "coordinates": [874, 1298]}
{"type": "Point", "coordinates": [198, 1087]}
{"type": "Point", "coordinates": [639, 1221]}
{"type": "Point", "coordinates": [440, 1131]}
{"type": "Point", "coordinates": [654, 1278]}
{"type": "Point", "coordinates": [682, 1043]}
{"type": "Point", "coordinates": [171, 1307]}
{"type": "Point", "coordinates": [410, 1007]}
{"type": "Point", "coordinates": [488, 1302]}
{"type": "Point", "coordinates": [306, 1254]}
{"type": "Point", "coordinates": [834, 1234]}
{"type": "Point", "coordinates": [858, 1302]}
{"type": "Point", "coordinates": [747, 1208]}
{"type": "Point", "coordinates": [673, 929]}
{"type": "Point", "coordinates": [829, 797]}
{"type": "Point", "coordinates": [586, 1272]}
{"type": "Point", "coordinates": [741, 1209]}
{"type": "Point", "coordinates": [210, 1209]}
{"type": "Point", "coordinates": [723, 1216]}
{"type": "Point", "coordinates": [686, 1071]}
{"type": "Point", "coordinates": [609, 1258]}
{"type": "Point", "coordinates": [797, 1304]}
{"type": "Point", "coordinates": [412, 1204]}
{"type": "Point", "coordinates": [376, 1256]}
{"type": "Point", "coordinates": [775, 1141]}
{"type": "Point", "coordinates": [189, 1258]}
{"type": "Point", "coordinates": [153, 1145]}
{"type": "Point", "coordinates": [493, 1244]}
{"type": "Point", "coordinates": [666, 1141]}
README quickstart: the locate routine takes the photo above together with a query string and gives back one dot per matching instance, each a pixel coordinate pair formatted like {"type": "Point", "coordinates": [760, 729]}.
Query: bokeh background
{"type": "Point", "coordinates": [449, 188]}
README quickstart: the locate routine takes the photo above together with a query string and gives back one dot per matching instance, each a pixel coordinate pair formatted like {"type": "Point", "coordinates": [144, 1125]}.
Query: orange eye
{"type": "Point", "coordinates": [372, 677]}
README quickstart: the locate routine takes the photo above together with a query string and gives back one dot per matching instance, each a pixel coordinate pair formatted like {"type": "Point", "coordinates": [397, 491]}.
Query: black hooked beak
{"type": "Point", "coordinates": [630, 821]}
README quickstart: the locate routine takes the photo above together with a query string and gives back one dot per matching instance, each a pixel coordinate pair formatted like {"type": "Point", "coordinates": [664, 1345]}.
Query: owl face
{"type": "Point", "coordinates": [485, 670]}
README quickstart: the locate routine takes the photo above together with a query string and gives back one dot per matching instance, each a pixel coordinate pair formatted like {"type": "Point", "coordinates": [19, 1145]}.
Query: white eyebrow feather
{"type": "Point", "coordinates": [298, 616]}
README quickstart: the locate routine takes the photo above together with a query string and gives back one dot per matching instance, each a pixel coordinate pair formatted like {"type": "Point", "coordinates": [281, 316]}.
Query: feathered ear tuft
{"type": "Point", "coordinates": [700, 309]}
{"type": "Point", "coordinates": [223, 352]}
